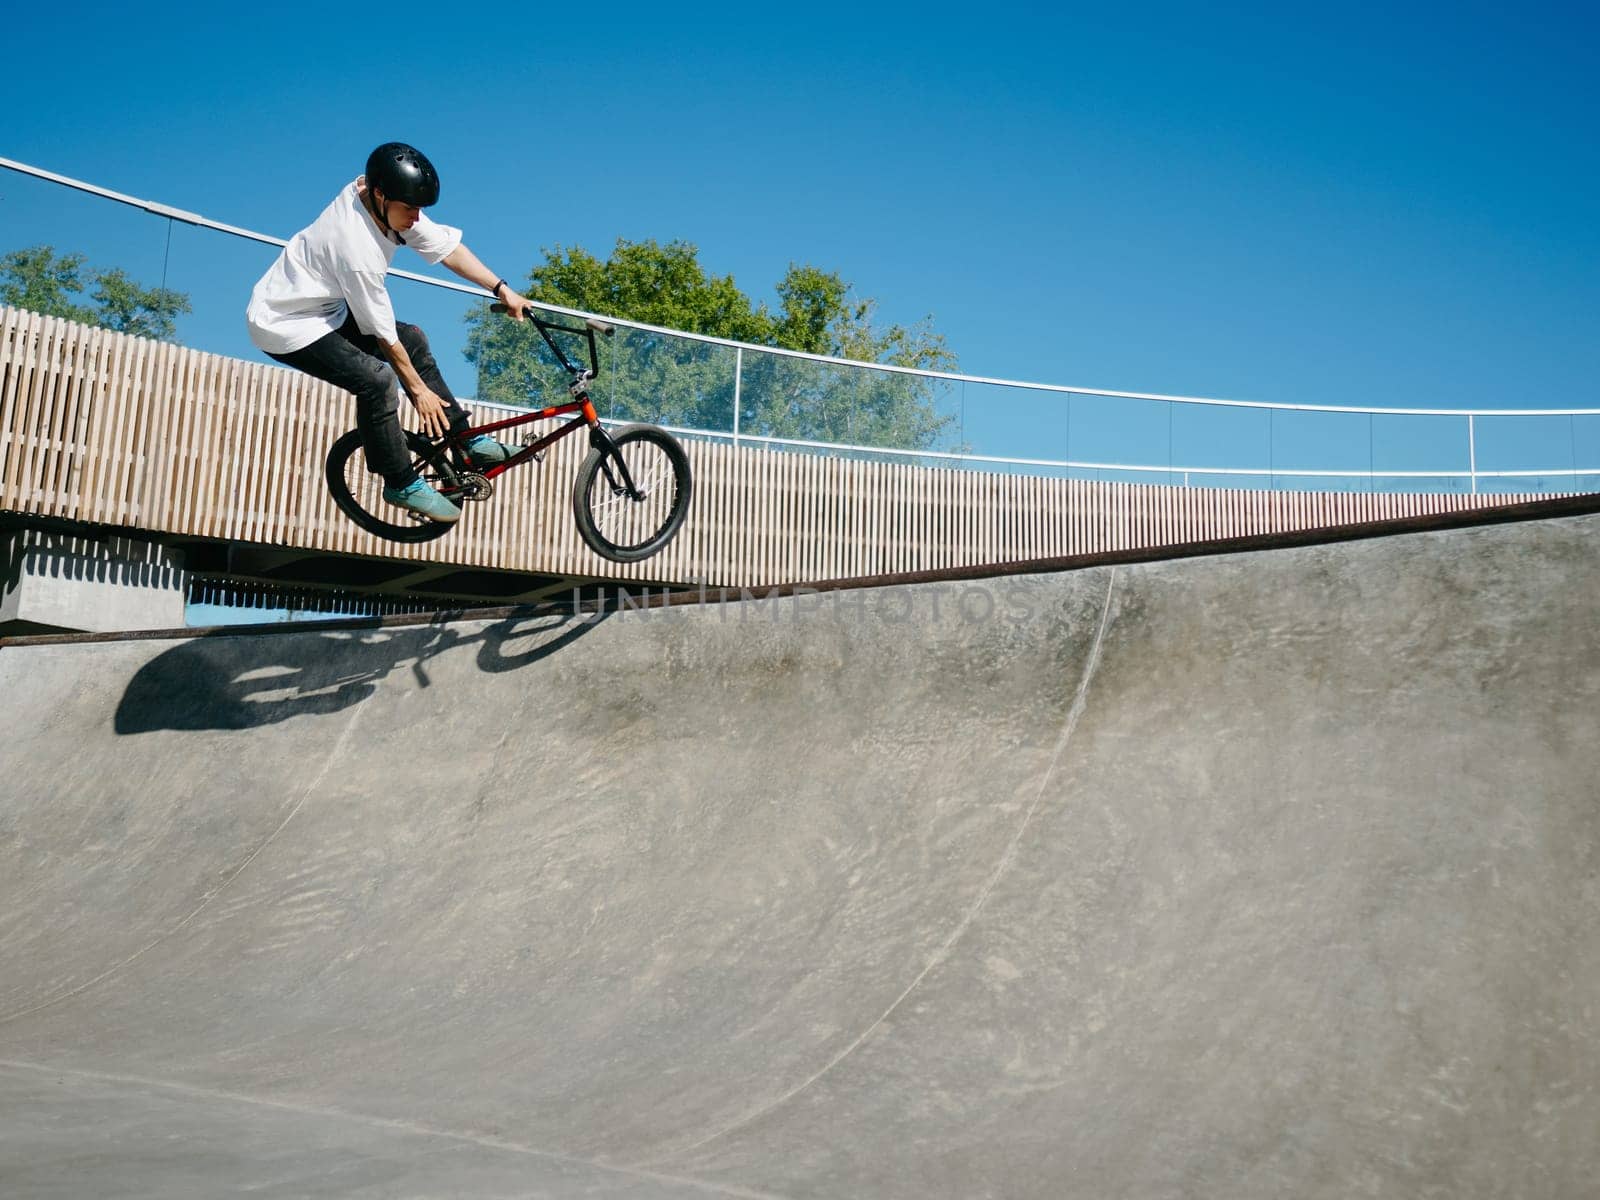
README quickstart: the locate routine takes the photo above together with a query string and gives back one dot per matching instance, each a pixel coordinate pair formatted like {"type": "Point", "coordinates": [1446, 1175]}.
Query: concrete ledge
{"type": "Point", "coordinates": [51, 582]}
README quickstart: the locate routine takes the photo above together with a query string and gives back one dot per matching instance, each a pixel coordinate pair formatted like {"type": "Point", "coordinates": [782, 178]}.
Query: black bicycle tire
{"type": "Point", "coordinates": [682, 481]}
{"type": "Point", "coordinates": [373, 522]}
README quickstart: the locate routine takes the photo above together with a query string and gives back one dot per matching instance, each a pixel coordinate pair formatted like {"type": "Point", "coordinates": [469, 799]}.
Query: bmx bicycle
{"type": "Point", "coordinates": [629, 498]}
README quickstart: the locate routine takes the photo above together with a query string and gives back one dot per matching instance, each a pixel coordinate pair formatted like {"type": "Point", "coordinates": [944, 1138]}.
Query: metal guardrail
{"type": "Point", "coordinates": [1473, 475]}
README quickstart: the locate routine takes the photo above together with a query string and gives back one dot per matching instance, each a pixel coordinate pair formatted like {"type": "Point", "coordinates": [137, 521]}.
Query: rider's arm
{"type": "Point", "coordinates": [467, 265]}
{"type": "Point", "coordinates": [369, 303]}
{"type": "Point", "coordinates": [428, 405]}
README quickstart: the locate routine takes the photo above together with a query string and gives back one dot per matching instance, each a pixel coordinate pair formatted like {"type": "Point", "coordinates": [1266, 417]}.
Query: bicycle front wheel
{"type": "Point", "coordinates": [359, 493]}
{"type": "Point", "coordinates": [623, 524]}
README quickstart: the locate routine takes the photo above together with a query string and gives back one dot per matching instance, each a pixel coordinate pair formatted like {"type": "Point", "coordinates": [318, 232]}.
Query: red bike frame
{"type": "Point", "coordinates": [580, 404]}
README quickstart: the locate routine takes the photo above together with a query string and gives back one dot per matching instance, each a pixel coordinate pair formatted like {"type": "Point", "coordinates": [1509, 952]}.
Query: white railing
{"type": "Point", "coordinates": [1574, 476]}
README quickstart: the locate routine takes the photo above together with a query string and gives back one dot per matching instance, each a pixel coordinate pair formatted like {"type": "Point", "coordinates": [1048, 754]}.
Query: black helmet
{"type": "Point", "coordinates": [403, 173]}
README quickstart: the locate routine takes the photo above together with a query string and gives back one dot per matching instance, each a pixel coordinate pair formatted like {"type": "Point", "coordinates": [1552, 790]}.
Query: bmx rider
{"type": "Point", "coordinates": [323, 308]}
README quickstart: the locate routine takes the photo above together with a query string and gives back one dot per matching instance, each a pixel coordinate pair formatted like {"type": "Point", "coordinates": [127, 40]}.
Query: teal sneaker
{"type": "Point", "coordinates": [484, 451]}
{"type": "Point", "coordinates": [424, 501]}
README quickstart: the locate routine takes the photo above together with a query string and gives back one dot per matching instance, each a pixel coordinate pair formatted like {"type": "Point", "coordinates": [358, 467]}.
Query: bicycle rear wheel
{"type": "Point", "coordinates": [359, 493]}
{"type": "Point", "coordinates": [624, 526]}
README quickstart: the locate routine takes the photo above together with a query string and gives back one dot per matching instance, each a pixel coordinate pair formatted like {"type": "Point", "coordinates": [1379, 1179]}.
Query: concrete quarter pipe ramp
{"type": "Point", "coordinates": [1254, 876]}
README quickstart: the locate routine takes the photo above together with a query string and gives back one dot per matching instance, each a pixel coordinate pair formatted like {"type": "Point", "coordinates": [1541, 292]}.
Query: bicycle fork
{"type": "Point", "coordinates": [600, 440]}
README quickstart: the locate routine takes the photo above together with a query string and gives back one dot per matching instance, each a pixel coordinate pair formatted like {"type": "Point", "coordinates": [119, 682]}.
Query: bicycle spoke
{"type": "Point", "coordinates": [628, 520]}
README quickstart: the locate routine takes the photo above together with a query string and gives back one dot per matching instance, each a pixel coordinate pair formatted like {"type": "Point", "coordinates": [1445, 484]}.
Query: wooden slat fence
{"type": "Point", "coordinates": [105, 428]}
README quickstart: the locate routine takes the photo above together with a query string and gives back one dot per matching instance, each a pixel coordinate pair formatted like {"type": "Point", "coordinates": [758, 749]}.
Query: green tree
{"type": "Point", "coordinates": [796, 398]}
{"type": "Point", "coordinates": [44, 282]}
{"type": "Point", "coordinates": [144, 312]}
{"type": "Point", "coordinates": [673, 380]}
{"type": "Point", "coordinates": [37, 280]}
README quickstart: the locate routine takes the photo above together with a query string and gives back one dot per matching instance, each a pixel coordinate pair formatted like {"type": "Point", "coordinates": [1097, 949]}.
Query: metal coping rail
{"type": "Point", "coordinates": [189, 218]}
{"type": "Point", "coordinates": [1555, 508]}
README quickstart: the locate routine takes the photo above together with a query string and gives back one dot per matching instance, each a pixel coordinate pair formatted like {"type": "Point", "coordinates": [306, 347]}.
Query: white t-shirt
{"type": "Point", "coordinates": [333, 267]}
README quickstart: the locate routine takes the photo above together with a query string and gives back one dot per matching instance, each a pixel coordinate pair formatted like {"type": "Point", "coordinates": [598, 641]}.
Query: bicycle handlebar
{"type": "Point", "coordinates": [604, 328]}
{"type": "Point", "coordinates": [590, 327]}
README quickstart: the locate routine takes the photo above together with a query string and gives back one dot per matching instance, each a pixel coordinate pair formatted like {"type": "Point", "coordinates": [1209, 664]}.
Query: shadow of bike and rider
{"type": "Point", "coordinates": [242, 682]}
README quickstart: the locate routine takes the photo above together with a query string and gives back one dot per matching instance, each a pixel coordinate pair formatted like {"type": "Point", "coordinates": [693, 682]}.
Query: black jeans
{"type": "Point", "coordinates": [350, 359]}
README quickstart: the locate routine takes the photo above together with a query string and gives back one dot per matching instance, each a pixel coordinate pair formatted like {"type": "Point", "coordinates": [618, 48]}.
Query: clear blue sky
{"type": "Point", "coordinates": [1357, 204]}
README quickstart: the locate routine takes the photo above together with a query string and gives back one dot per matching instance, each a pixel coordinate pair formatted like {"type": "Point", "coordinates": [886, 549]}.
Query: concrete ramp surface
{"type": "Point", "coordinates": [1254, 876]}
